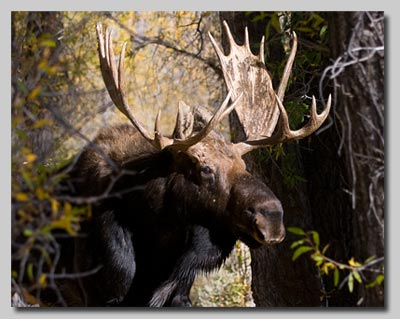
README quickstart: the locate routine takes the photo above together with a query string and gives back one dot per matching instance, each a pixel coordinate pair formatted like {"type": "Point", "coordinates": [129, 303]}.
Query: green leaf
{"type": "Point", "coordinates": [259, 17]}
{"type": "Point", "coordinates": [297, 243]}
{"type": "Point", "coordinates": [300, 251]}
{"type": "Point", "coordinates": [350, 282]}
{"type": "Point", "coordinates": [325, 249]}
{"type": "Point", "coordinates": [296, 230]}
{"type": "Point", "coordinates": [267, 31]}
{"type": "Point", "coordinates": [317, 257]}
{"type": "Point", "coordinates": [369, 259]}
{"type": "Point", "coordinates": [336, 277]}
{"type": "Point", "coordinates": [21, 134]}
{"type": "Point", "coordinates": [317, 20]}
{"type": "Point", "coordinates": [315, 238]}
{"type": "Point", "coordinates": [29, 271]}
{"type": "Point", "coordinates": [378, 280]}
{"type": "Point", "coordinates": [27, 232]}
{"type": "Point", "coordinates": [275, 23]}
{"type": "Point", "coordinates": [323, 31]}
{"type": "Point", "coordinates": [21, 86]}
{"type": "Point", "coordinates": [304, 29]}
{"type": "Point", "coordinates": [356, 275]}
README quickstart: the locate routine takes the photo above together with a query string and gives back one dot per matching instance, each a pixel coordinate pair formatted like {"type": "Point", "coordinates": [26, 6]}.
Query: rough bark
{"type": "Point", "coordinates": [359, 82]}
{"type": "Point", "coordinates": [343, 196]}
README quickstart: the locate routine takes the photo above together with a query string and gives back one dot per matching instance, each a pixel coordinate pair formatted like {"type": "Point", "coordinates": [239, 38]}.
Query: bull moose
{"type": "Point", "coordinates": [175, 205]}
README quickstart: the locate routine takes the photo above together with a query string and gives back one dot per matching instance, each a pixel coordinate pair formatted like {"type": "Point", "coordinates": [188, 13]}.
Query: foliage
{"type": "Point", "coordinates": [59, 103]}
{"type": "Point", "coordinates": [39, 218]}
{"type": "Point", "coordinates": [230, 286]}
{"type": "Point", "coordinates": [38, 215]}
{"type": "Point", "coordinates": [312, 53]}
{"type": "Point", "coordinates": [353, 271]}
{"type": "Point", "coordinates": [290, 173]}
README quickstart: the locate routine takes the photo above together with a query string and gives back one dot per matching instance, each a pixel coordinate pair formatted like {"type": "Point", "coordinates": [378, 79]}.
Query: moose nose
{"type": "Point", "coordinates": [270, 227]}
{"type": "Point", "coordinates": [274, 241]}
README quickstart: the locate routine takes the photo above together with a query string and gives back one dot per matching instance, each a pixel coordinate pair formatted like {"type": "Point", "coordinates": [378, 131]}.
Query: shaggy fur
{"type": "Point", "coordinates": [166, 216]}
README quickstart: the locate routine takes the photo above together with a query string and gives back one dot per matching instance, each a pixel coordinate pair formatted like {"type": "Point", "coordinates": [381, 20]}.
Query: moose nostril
{"type": "Point", "coordinates": [275, 240]}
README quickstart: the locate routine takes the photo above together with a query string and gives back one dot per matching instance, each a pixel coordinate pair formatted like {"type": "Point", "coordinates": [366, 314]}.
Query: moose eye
{"type": "Point", "coordinates": [207, 176]}
{"type": "Point", "coordinates": [206, 170]}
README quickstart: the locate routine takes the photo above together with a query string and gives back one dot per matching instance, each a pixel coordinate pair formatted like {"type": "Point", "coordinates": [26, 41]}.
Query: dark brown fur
{"type": "Point", "coordinates": [167, 216]}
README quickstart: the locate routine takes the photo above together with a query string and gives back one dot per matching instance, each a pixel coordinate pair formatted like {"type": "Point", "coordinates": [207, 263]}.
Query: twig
{"type": "Point", "coordinates": [59, 118]}
{"type": "Point", "coordinates": [75, 275]}
{"type": "Point", "coordinates": [143, 41]}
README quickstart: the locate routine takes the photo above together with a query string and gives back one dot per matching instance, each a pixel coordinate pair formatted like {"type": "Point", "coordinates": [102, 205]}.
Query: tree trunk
{"type": "Point", "coordinates": [359, 41]}
{"type": "Point", "coordinates": [343, 194]}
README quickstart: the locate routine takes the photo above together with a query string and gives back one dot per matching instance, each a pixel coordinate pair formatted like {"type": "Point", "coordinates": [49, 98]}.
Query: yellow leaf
{"type": "Point", "coordinates": [50, 43]}
{"type": "Point", "coordinates": [330, 265]}
{"type": "Point", "coordinates": [21, 213]}
{"type": "Point", "coordinates": [67, 209]}
{"type": "Point", "coordinates": [41, 123]}
{"type": "Point", "coordinates": [63, 224]}
{"type": "Point", "coordinates": [40, 193]}
{"type": "Point", "coordinates": [89, 211]}
{"type": "Point", "coordinates": [42, 64]}
{"type": "Point", "coordinates": [42, 280]}
{"type": "Point", "coordinates": [325, 268]}
{"type": "Point", "coordinates": [30, 157]}
{"type": "Point", "coordinates": [23, 216]}
{"type": "Point", "coordinates": [34, 93]}
{"type": "Point", "coordinates": [354, 263]}
{"type": "Point", "coordinates": [54, 207]}
{"type": "Point", "coordinates": [23, 197]}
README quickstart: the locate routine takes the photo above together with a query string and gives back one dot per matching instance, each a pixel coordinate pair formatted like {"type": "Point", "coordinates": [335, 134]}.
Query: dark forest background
{"type": "Point", "coordinates": [331, 184]}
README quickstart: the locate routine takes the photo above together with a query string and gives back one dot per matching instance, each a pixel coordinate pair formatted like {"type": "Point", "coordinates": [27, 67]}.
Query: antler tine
{"type": "Point", "coordinates": [261, 54]}
{"type": "Point", "coordinates": [284, 133]}
{"type": "Point", "coordinates": [222, 111]}
{"type": "Point", "coordinates": [288, 69]}
{"type": "Point", "coordinates": [114, 80]}
{"type": "Point", "coordinates": [157, 131]}
{"type": "Point", "coordinates": [246, 38]}
{"type": "Point", "coordinates": [111, 60]}
{"type": "Point", "coordinates": [184, 121]}
{"type": "Point", "coordinates": [104, 62]}
{"type": "Point", "coordinates": [121, 76]}
{"type": "Point", "coordinates": [232, 42]}
{"type": "Point", "coordinates": [216, 46]}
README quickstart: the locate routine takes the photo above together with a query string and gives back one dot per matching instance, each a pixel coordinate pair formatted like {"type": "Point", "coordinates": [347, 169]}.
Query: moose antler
{"type": "Point", "coordinates": [114, 80]}
{"type": "Point", "coordinates": [247, 73]}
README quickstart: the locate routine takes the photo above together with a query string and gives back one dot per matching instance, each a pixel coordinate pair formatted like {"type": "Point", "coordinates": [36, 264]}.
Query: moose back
{"type": "Point", "coordinates": [172, 206]}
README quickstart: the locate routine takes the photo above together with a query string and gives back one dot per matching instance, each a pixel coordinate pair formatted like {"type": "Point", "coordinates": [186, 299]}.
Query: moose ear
{"type": "Point", "coordinates": [201, 117]}
{"type": "Point", "coordinates": [184, 121]}
{"type": "Point", "coordinates": [190, 119]}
